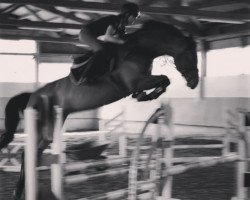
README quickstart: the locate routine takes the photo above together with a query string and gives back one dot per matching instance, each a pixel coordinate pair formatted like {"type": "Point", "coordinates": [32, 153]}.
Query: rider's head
{"type": "Point", "coordinates": [130, 12]}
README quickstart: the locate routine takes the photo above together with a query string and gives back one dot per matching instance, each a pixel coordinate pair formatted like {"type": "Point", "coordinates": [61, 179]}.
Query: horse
{"type": "Point", "coordinates": [130, 74]}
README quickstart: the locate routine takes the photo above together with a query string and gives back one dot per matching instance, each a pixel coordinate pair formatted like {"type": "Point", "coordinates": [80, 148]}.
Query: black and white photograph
{"type": "Point", "coordinates": [124, 100]}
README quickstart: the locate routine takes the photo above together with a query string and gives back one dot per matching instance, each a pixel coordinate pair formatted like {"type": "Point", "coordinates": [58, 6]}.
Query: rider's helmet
{"type": "Point", "coordinates": [130, 9]}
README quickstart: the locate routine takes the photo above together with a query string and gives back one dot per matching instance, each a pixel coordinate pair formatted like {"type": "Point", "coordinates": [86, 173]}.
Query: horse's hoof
{"type": "Point", "coordinates": [157, 92]}
{"type": "Point", "coordinates": [142, 96]}
{"type": "Point", "coordinates": [135, 95]}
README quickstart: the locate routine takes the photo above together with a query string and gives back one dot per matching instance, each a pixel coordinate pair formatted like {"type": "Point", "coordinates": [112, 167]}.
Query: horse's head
{"type": "Point", "coordinates": [186, 63]}
{"type": "Point", "coordinates": [164, 39]}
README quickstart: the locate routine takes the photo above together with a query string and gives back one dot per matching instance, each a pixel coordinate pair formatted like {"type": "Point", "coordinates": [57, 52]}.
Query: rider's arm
{"type": "Point", "coordinates": [110, 37]}
{"type": "Point", "coordinates": [86, 37]}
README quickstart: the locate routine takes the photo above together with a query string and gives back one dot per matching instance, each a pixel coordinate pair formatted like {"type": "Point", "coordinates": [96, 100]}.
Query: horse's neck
{"type": "Point", "coordinates": [160, 43]}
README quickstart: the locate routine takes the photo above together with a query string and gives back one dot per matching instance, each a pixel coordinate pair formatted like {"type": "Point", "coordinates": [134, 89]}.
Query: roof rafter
{"type": "Point", "coordinates": [223, 5]}
{"type": "Point", "coordinates": [63, 14]}
{"type": "Point", "coordinates": [114, 8]}
{"type": "Point", "coordinates": [10, 8]}
{"type": "Point", "coordinates": [34, 13]}
{"type": "Point", "coordinates": [32, 24]}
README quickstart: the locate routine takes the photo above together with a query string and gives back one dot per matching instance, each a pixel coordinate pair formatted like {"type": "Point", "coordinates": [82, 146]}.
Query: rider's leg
{"type": "Point", "coordinates": [87, 37]}
{"type": "Point", "coordinates": [80, 65]}
{"type": "Point", "coordinates": [100, 63]}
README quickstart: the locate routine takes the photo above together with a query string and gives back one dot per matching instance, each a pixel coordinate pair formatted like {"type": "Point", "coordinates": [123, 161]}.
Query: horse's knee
{"type": "Point", "coordinates": [131, 87]}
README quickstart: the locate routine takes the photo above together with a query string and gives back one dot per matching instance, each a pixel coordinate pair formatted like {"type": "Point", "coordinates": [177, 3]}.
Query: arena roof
{"type": "Point", "coordinates": [220, 23]}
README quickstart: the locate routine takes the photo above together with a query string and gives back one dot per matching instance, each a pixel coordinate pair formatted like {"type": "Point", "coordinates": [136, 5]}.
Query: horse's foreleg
{"type": "Point", "coordinates": [146, 83]}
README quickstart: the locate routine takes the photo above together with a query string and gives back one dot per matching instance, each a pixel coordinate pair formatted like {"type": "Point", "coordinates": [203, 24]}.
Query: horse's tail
{"type": "Point", "coordinates": [15, 105]}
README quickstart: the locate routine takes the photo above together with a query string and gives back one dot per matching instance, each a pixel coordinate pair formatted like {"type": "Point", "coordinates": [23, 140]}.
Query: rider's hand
{"type": "Point", "coordinates": [109, 38]}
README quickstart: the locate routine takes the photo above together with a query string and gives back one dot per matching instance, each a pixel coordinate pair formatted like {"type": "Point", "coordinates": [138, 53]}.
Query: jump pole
{"type": "Point", "coordinates": [166, 126]}
{"type": "Point", "coordinates": [30, 154]}
{"type": "Point", "coordinates": [241, 158]}
{"type": "Point", "coordinates": [59, 158]}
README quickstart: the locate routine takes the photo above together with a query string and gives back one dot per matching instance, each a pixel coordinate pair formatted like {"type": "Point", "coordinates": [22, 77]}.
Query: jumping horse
{"type": "Point", "coordinates": [130, 74]}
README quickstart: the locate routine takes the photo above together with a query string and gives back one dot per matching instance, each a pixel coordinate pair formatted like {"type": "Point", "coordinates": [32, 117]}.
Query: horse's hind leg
{"type": "Point", "coordinates": [21, 181]}
{"type": "Point", "coordinates": [158, 82]}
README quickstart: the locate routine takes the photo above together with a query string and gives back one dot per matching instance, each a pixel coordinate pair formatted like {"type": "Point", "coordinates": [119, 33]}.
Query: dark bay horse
{"type": "Point", "coordinates": [130, 74]}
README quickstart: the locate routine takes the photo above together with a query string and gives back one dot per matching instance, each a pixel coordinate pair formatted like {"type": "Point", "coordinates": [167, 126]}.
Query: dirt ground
{"type": "Point", "coordinates": [211, 183]}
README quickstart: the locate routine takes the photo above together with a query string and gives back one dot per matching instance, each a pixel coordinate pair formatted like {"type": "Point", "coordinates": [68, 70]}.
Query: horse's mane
{"type": "Point", "coordinates": [157, 25]}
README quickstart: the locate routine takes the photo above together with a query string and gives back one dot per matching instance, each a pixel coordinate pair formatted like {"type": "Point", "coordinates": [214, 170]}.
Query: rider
{"type": "Point", "coordinates": [107, 29]}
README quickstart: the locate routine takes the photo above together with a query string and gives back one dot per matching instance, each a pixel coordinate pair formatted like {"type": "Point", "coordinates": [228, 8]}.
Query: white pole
{"type": "Point", "coordinates": [168, 152]}
{"type": "Point", "coordinates": [203, 68]}
{"type": "Point", "coordinates": [227, 130]}
{"type": "Point", "coordinates": [241, 168]}
{"type": "Point", "coordinates": [56, 150]}
{"type": "Point", "coordinates": [123, 138]}
{"type": "Point", "coordinates": [30, 154]}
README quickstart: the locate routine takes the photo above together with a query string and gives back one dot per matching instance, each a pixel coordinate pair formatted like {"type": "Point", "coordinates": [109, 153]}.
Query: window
{"type": "Point", "coordinates": [16, 68]}
{"type": "Point", "coordinates": [17, 46]}
{"type": "Point", "coordinates": [228, 62]}
{"type": "Point", "coordinates": [52, 71]}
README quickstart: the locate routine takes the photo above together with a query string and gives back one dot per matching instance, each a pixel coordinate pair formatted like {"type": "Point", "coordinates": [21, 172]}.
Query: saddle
{"type": "Point", "coordinates": [80, 67]}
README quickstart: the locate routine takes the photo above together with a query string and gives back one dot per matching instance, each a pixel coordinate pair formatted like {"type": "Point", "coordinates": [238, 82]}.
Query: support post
{"type": "Point", "coordinates": [244, 150]}
{"type": "Point", "coordinates": [242, 166]}
{"type": "Point", "coordinates": [37, 59]}
{"type": "Point", "coordinates": [203, 67]}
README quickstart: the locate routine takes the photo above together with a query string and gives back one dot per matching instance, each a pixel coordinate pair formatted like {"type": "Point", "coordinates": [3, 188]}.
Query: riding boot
{"type": "Point", "coordinates": [97, 68]}
{"type": "Point", "coordinates": [101, 63]}
{"type": "Point", "coordinates": [80, 67]}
